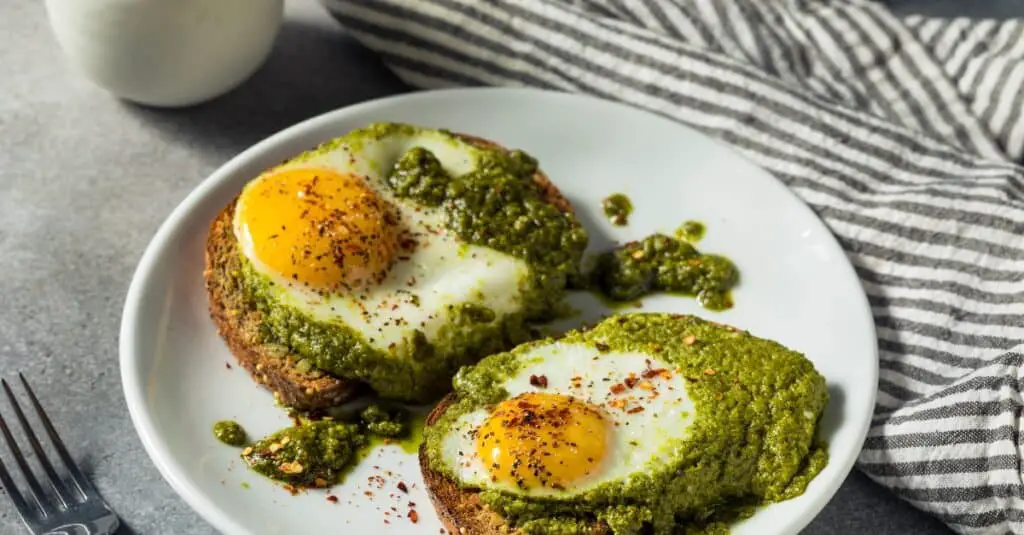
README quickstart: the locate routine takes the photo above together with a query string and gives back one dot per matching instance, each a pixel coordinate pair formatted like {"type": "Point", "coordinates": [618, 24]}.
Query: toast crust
{"type": "Point", "coordinates": [238, 324]}
{"type": "Point", "coordinates": [461, 510]}
{"type": "Point", "coordinates": [272, 366]}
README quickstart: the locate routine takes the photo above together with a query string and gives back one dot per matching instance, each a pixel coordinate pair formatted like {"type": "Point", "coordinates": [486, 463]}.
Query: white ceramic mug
{"type": "Point", "coordinates": [166, 52]}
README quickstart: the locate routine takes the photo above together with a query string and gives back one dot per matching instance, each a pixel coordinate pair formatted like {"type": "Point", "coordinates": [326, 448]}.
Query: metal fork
{"type": "Point", "coordinates": [73, 507]}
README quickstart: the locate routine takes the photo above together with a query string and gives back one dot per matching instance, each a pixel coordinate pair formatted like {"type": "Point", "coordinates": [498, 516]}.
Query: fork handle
{"type": "Point", "coordinates": [103, 526]}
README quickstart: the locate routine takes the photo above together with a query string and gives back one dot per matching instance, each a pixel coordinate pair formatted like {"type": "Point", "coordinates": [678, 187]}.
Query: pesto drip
{"type": "Point", "coordinates": [318, 453]}
{"type": "Point", "coordinates": [660, 263]}
{"type": "Point", "coordinates": [314, 454]}
{"type": "Point", "coordinates": [230, 432]}
{"type": "Point", "coordinates": [498, 205]}
{"type": "Point", "coordinates": [691, 231]}
{"type": "Point", "coordinates": [617, 208]}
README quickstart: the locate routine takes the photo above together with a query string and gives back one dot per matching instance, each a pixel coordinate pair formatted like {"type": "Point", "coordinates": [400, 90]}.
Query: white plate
{"type": "Point", "coordinates": [797, 288]}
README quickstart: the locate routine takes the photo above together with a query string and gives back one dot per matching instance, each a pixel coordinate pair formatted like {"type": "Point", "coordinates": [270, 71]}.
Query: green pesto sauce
{"type": "Point", "coordinates": [382, 422]}
{"type": "Point", "coordinates": [328, 449]}
{"type": "Point", "coordinates": [556, 526]}
{"type": "Point", "coordinates": [314, 454]}
{"type": "Point", "coordinates": [617, 208]}
{"type": "Point", "coordinates": [691, 231]}
{"type": "Point", "coordinates": [409, 441]}
{"type": "Point", "coordinates": [660, 263]}
{"type": "Point", "coordinates": [614, 304]}
{"type": "Point", "coordinates": [416, 370]}
{"type": "Point", "coordinates": [355, 139]}
{"type": "Point", "coordinates": [497, 205]}
{"type": "Point", "coordinates": [753, 439]}
{"type": "Point", "coordinates": [230, 433]}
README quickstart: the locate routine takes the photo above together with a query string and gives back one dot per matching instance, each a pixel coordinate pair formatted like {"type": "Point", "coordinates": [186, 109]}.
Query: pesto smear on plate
{"type": "Point", "coordinates": [617, 208]}
{"type": "Point", "coordinates": [318, 453]}
{"type": "Point", "coordinates": [229, 432]}
{"type": "Point", "coordinates": [661, 263]}
{"type": "Point", "coordinates": [691, 231]}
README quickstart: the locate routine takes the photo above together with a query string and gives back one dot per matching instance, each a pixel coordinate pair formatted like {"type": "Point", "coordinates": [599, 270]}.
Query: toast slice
{"type": "Point", "coordinates": [238, 324]}
{"type": "Point", "coordinates": [461, 510]}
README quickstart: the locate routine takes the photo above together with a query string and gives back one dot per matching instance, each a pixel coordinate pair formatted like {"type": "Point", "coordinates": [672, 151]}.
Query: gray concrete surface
{"type": "Point", "coordinates": [84, 182]}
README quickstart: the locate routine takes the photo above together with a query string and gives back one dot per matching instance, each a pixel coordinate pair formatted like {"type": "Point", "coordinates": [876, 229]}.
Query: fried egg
{"type": "Point", "coordinates": [338, 245]}
{"type": "Point", "coordinates": [575, 418]}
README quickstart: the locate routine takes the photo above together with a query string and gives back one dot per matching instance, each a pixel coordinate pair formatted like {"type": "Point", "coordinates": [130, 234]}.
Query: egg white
{"type": "Point", "coordinates": [640, 442]}
{"type": "Point", "coordinates": [417, 291]}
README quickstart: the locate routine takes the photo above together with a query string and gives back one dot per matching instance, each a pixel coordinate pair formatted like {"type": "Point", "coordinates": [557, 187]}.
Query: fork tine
{"type": "Point", "coordinates": [14, 494]}
{"type": "Point", "coordinates": [44, 460]}
{"type": "Point", "coordinates": [84, 485]}
{"type": "Point", "coordinates": [26, 470]}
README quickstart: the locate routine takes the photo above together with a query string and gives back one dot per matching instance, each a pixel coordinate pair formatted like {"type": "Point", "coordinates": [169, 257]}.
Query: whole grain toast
{"type": "Point", "coordinates": [238, 323]}
{"type": "Point", "coordinates": [461, 510]}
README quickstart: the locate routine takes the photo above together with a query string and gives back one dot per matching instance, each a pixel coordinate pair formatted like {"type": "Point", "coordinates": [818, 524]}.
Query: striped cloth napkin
{"type": "Point", "coordinates": [902, 134]}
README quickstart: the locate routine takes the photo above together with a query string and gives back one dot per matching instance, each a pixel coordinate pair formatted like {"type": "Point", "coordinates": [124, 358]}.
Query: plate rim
{"type": "Point", "coordinates": [133, 386]}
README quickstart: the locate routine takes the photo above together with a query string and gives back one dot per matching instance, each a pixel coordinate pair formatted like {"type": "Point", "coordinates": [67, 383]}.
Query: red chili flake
{"type": "Point", "coordinates": [227, 365]}
{"type": "Point", "coordinates": [368, 493]}
{"type": "Point", "coordinates": [635, 410]}
{"type": "Point", "coordinates": [414, 516]}
{"type": "Point", "coordinates": [540, 381]}
{"type": "Point", "coordinates": [402, 487]}
{"type": "Point", "coordinates": [412, 504]}
{"type": "Point", "coordinates": [649, 373]}
{"type": "Point", "coordinates": [631, 381]}
{"type": "Point", "coordinates": [618, 388]}
{"type": "Point", "coordinates": [332, 498]}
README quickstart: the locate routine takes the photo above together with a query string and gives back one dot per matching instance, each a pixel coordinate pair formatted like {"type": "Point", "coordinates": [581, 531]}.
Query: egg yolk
{"type": "Point", "coordinates": [543, 441]}
{"type": "Point", "coordinates": [320, 228]}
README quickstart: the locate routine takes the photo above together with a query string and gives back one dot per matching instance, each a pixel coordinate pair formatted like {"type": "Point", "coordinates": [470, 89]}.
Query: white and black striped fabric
{"type": "Point", "coordinates": [904, 135]}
